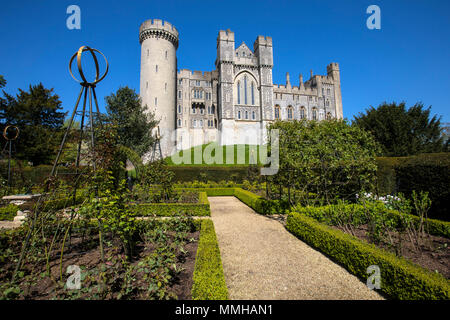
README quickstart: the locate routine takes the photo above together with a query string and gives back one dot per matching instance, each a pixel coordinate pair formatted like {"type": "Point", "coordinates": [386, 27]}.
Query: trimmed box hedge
{"type": "Point", "coordinates": [400, 279]}
{"type": "Point", "coordinates": [428, 172]}
{"type": "Point", "coordinates": [208, 279]}
{"type": "Point", "coordinates": [259, 204]}
{"type": "Point", "coordinates": [175, 209]}
{"type": "Point", "coordinates": [323, 214]}
{"type": "Point", "coordinates": [8, 212]}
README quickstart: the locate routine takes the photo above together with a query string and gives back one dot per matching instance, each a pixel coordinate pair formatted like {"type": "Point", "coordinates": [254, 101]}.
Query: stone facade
{"type": "Point", "coordinates": [232, 104]}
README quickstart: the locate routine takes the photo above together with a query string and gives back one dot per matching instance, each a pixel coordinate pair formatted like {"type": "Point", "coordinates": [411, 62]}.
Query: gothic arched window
{"type": "Point", "coordinates": [314, 114]}
{"type": "Point", "coordinates": [302, 113]}
{"type": "Point", "coordinates": [289, 113]}
{"type": "Point", "coordinates": [253, 93]}
{"type": "Point", "coordinates": [239, 92]}
{"type": "Point", "coordinates": [246, 115]}
{"type": "Point", "coordinates": [329, 116]}
{"type": "Point", "coordinates": [239, 114]}
{"type": "Point", "coordinates": [277, 112]}
{"type": "Point", "coordinates": [245, 90]}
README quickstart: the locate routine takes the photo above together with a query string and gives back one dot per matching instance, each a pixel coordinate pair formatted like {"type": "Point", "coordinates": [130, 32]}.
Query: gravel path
{"type": "Point", "coordinates": [262, 260]}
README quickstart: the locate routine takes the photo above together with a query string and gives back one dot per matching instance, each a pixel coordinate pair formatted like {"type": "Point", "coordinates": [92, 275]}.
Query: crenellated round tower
{"type": "Point", "coordinates": [158, 85]}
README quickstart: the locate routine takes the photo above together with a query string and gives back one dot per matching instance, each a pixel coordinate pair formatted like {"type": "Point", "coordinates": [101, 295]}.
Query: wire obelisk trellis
{"type": "Point", "coordinates": [88, 89]}
{"type": "Point", "coordinates": [8, 146]}
{"type": "Point", "coordinates": [156, 148]}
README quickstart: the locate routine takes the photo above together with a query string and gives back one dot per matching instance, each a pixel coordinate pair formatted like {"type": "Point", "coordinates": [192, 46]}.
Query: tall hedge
{"type": "Point", "coordinates": [425, 172]}
{"type": "Point", "coordinates": [209, 173]}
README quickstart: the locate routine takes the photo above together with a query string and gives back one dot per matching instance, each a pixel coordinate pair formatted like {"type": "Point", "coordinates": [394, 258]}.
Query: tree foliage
{"type": "Point", "coordinates": [37, 114]}
{"type": "Point", "coordinates": [134, 123]}
{"type": "Point", "coordinates": [2, 81]}
{"type": "Point", "coordinates": [402, 131]}
{"type": "Point", "coordinates": [328, 158]}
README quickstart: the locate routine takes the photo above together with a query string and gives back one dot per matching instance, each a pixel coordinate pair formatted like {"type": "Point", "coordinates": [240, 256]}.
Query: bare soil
{"type": "Point", "coordinates": [86, 255]}
{"type": "Point", "coordinates": [433, 253]}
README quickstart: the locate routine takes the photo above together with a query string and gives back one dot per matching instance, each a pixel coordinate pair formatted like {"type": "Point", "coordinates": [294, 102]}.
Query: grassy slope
{"type": "Point", "coordinates": [243, 150]}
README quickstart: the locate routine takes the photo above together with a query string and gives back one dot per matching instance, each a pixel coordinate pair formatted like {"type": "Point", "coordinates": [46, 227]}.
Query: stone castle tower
{"type": "Point", "coordinates": [232, 104]}
{"type": "Point", "coordinates": [159, 43]}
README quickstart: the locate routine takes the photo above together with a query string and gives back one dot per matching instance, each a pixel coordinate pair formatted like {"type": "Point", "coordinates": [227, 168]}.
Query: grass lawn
{"type": "Point", "coordinates": [232, 155]}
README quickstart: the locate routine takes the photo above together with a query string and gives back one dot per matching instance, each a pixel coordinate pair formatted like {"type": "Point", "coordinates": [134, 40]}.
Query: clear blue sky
{"type": "Point", "coordinates": [407, 60]}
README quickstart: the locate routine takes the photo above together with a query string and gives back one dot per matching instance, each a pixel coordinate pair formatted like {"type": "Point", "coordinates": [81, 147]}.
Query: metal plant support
{"type": "Point", "coordinates": [156, 148]}
{"type": "Point", "coordinates": [89, 91]}
{"type": "Point", "coordinates": [88, 88]}
{"type": "Point", "coordinates": [8, 145]}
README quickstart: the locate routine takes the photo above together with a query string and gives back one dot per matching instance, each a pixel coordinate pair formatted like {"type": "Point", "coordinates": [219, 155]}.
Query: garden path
{"type": "Point", "coordinates": [262, 260]}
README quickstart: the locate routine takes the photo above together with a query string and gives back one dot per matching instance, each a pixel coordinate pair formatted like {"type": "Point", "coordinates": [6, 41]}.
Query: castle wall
{"type": "Point", "coordinates": [216, 106]}
{"type": "Point", "coordinates": [159, 42]}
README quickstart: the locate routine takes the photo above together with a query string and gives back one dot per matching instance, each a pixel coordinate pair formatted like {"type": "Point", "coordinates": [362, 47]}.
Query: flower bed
{"type": "Point", "coordinates": [400, 279]}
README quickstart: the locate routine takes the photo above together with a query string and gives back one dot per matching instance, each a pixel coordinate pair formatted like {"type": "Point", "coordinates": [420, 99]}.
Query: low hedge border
{"type": "Point", "coordinates": [257, 203]}
{"type": "Point", "coordinates": [199, 209]}
{"type": "Point", "coordinates": [400, 279]}
{"type": "Point", "coordinates": [435, 227]}
{"type": "Point", "coordinates": [208, 279]}
{"type": "Point", "coordinates": [9, 212]}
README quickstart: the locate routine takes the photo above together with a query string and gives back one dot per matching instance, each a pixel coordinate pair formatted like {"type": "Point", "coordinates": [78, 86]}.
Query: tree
{"type": "Point", "coordinates": [402, 132]}
{"type": "Point", "coordinates": [134, 123]}
{"type": "Point", "coordinates": [37, 115]}
{"type": "Point", "coordinates": [328, 158]}
{"type": "Point", "coordinates": [2, 81]}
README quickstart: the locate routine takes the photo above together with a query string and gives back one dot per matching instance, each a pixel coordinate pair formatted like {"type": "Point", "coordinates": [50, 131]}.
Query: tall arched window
{"type": "Point", "coordinates": [314, 114]}
{"type": "Point", "coordinates": [253, 93]}
{"type": "Point", "coordinates": [239, 92]}
{"type": "Point", "coordinates": [329, 116]}
{"type": "Point", "coordinates": [302, 113]}
{"type": "Point", "coordinates": [289, 113]}
{"type": "Point", "coordinates": [239, 114]}
{"type": "Point", "coordinates": [253, 115]}
{"type": "Point", "coordinates": [277, 112]}
{"type": "Point", "coordinates": [179, 123]}
{"type": "Point", "coordinates": [245, 90]}
{"type": "Point", "coordinates": [246, 115]}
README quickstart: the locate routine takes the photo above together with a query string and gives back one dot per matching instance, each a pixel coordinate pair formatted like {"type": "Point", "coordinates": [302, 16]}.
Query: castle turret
{"type": "Point", "coordinates": [159, 43]}
{"type": "Point", "coordinates": [334, 73]}
{"type": "Point", "coordinates": [301, 85]}
{"type": "Point", "coordinates": [225, 67]}
{"type": "Point", "coordinates": [264, 52]}
{"type": "Point", "coordinates": [288, 81]}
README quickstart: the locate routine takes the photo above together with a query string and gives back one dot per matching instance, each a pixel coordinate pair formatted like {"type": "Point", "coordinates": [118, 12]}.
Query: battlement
{"type": "Point", "coordinates": [157, 28]}
{"type": "Point", "coordinates": [334, 66]}
{"type": "Point", "coordinates": [195, 75]}
{"type": "Point", "coordinates": [225, 35]}
{"type": "Point", "coordinates": [158, 24]}
{"type": "Point", "coordinates": [262, 41]}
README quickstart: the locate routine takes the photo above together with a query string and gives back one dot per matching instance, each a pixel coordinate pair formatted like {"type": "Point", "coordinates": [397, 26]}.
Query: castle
{"type": "Point", "coordinates": [232, 104]}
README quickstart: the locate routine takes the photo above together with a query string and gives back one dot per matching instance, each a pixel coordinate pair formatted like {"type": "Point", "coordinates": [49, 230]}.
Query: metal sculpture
{"type": "Point", "coordinates": [8, 145]}
{"type": "Point", "coordinates": [89, 91]}
{"type": "Point", "coordinates": [156, 149]}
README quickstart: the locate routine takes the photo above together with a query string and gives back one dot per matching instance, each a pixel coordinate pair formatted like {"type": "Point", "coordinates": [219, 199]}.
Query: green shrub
{"type": "Point", "coordinates": [424, 172]}
{"type": "Point", "coordinates": [400, 279]}
{"type": "Point", "coordinates": [214, 192]}
{"type": "Point", "coordinates": [208, 280]}
{"type": "Point", "coordinates": [209, 173]}
{"type": "Point", "coordinates": [8, 212]}
{"type": "Point", "coordinates": [337, 214]}
{"type": "Point", "coordinates": [175, 209]}
{"type": "Point", "coordinates": [259, 204]}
